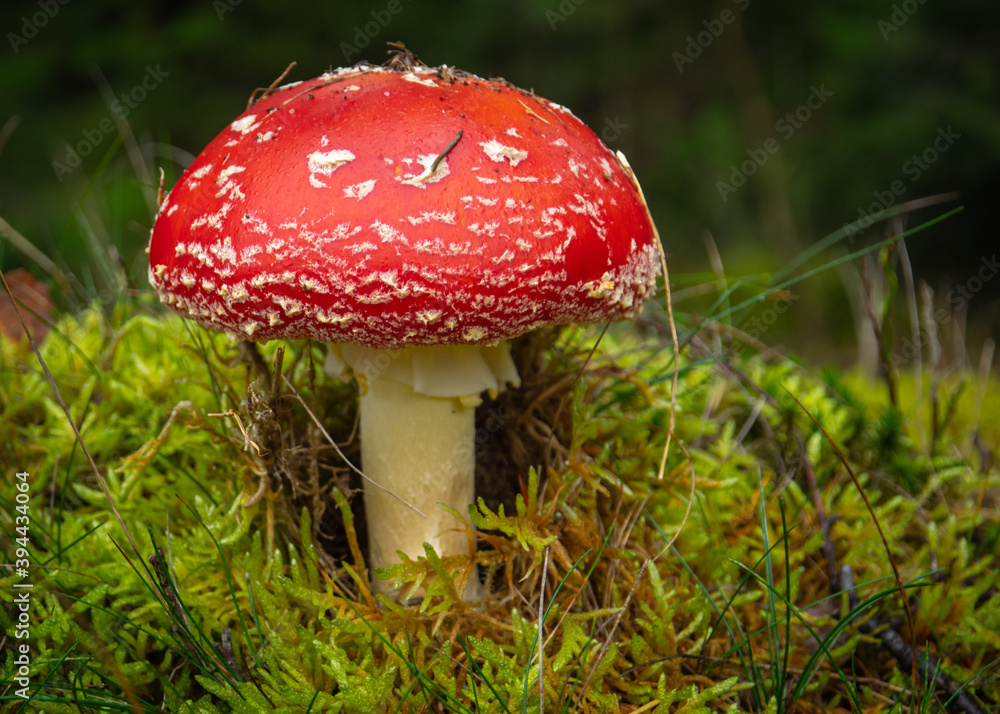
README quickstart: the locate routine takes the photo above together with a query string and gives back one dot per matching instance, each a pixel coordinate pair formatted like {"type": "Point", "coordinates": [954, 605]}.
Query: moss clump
{"type": "Point", "coordinates": [242, 585]}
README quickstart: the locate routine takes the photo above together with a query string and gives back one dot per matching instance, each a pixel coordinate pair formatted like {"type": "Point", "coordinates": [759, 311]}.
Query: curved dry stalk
{"type": "Point", "coordinates": [670, 319]}
{"type": "Point", "coordinates": [340, 453]}
{"type": "Point", "coordinates": [687, 511]}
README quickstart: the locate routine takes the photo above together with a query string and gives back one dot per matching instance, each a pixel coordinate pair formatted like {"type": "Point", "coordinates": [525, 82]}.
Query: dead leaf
{"type": "Point", "coordinates": [33, 298]}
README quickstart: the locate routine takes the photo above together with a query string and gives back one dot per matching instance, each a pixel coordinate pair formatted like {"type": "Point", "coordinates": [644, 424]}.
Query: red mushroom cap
{"type": "Point", "coordinates": [334, 209]}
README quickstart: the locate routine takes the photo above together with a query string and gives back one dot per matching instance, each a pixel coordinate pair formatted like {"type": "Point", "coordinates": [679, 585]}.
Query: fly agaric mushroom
{"type": "Point", "coordinates": [416, 219]}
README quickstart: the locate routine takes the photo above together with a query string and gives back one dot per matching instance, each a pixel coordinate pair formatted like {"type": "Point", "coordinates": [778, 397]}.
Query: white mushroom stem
{"type": "Point", "coordinates": [418, 434]}
{"type": "Point", "coordinates": [419, 450]}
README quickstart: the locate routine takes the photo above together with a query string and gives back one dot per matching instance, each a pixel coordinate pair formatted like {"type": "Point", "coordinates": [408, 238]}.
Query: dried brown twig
{"type": "Point", "coordinates": [928, 668]}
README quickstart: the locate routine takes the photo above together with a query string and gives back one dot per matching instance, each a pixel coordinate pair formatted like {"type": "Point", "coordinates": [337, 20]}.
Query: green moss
{"type": "Point", "coordinates": [267, 607]}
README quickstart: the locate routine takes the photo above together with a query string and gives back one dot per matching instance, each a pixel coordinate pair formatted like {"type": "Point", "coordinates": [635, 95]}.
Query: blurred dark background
{"type": "Point", "coordinates": [692, 93]}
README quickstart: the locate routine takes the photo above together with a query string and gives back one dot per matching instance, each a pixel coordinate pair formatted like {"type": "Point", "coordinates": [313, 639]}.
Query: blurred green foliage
{"type": "Point", "coordinates": [688, 91]}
